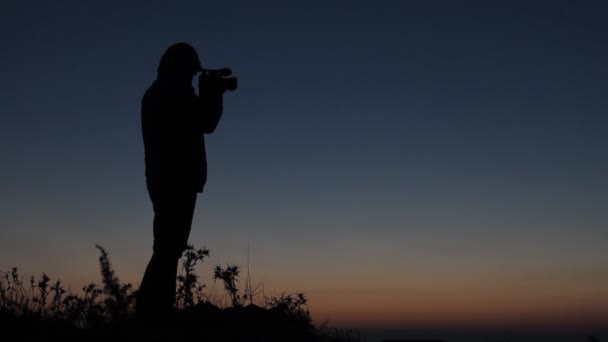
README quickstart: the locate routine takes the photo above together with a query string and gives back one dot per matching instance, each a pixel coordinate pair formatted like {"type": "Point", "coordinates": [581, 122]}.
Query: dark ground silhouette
{"type": "Point", "coordinates": [46, 311]}
{"type": "Point", "coordinates": [43, 310]}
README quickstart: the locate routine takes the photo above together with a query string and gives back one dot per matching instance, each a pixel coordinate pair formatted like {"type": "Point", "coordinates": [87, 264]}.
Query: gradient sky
{"type": "Point", "coordinates": [404, 163]}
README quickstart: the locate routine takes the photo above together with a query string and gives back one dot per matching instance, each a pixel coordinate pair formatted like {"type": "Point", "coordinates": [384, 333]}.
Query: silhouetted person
{"type": "Point", "coordinates": [174, 122]}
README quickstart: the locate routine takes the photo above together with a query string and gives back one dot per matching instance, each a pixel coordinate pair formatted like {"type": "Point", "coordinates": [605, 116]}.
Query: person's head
{"type": "Point", "coordinates": [179, 63]}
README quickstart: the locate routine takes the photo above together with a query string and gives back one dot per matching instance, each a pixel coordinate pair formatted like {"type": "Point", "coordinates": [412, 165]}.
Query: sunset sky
{"type": "Point", "coordinates": [403, 163]}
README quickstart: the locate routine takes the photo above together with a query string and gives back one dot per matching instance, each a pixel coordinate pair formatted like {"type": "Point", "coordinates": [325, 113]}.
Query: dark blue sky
{"type": "Point", "coordinates": [424, 139]}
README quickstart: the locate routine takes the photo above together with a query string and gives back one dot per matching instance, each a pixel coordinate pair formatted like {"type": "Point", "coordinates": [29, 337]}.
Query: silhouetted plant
{"type": "Point", "coordinates": [188, 285]}
{"type": "Point", "coordinates": [250, 291]}
{"type": "Point", "coordinates": [87, 310]}
{"type": "Point", "coordinates": [119, 297]}
{"type": "Point", "coordinates": [229, 276]}
{"type": "Point", "coordinates": [43, 292]}
{"type": "Point", "coordinates": [290, 305]}
{"type": "Point", "coordinates": [13, 297]}
{"type": "Point", "coordinates": [58, 291]}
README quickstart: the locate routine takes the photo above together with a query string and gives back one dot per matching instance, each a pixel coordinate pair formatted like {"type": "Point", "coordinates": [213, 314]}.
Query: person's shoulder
{"type": "Point", "coordinates": [152, 98]}
{"type": "Point", "coordinates": [154, 91]}
{"type": "Point", "coordinates": [153, 88]}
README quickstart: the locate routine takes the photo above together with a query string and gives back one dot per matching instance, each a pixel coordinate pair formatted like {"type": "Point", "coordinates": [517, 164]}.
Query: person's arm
{"type": "Point", "coordinates": [211, 107]}
{"type": "Point", "coordinates": [210, 104]}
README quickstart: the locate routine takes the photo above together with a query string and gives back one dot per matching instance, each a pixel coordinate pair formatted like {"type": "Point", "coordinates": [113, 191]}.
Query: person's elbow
{"type": "Point", "coordinates": [208, 129]}
{"type": "Point", "coordinates": [213, 121]}
{"type": "Point", "coordinates": [210, 126]}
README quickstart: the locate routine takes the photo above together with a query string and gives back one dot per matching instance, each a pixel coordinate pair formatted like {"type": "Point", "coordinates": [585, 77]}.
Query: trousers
{"type": "Point", "coordinates": [173, 213]}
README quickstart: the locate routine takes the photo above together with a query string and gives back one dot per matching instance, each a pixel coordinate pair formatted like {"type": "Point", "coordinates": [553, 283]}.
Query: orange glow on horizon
{"type": "Point", "coordinates": [458, 310]}
{"type": "Point", "coordinates": [422, 304]}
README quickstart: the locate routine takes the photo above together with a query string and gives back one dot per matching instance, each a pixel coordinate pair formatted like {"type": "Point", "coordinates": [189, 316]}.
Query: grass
{"type": "Point", "coordinates": [41, 309]}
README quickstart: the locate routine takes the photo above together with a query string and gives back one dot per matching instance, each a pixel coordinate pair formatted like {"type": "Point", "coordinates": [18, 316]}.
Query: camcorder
{"type": "Point", "coordinates": [217, 78]}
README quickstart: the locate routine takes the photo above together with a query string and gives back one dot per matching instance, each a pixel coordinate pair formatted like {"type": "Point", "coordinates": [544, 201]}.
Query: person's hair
{"type": "Point", "coordinates": [179, 59]}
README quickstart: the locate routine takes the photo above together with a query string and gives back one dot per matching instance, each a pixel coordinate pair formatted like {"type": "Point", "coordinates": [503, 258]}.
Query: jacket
{"type": "Point", "coordinates": [174, 123]}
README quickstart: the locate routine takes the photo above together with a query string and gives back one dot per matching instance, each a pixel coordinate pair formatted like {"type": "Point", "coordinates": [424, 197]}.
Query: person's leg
{"type": "Point", "coordinates": [173, 214]}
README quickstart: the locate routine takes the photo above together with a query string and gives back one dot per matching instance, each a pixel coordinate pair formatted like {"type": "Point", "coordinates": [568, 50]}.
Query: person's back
{"type": "Point", "coordinates": [173, 139]}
